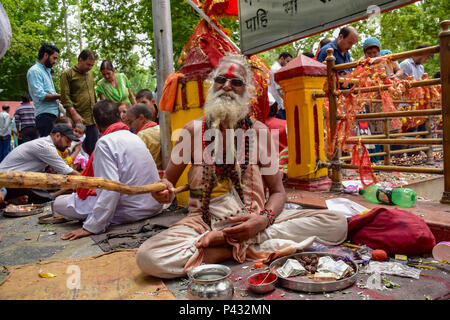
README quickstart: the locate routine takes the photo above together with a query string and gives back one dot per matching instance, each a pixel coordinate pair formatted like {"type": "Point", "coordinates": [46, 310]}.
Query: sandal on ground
{"type": "Point", "coordinates": [52, 219]}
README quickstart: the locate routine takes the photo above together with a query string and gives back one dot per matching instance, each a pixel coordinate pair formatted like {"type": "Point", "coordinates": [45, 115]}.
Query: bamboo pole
{"type": "Point", "coordinates": [413, 84]}
{"type": "Point", "coordinates": [396, 141]}
{"type": "Point", "coordinates": [408, 134]}
{"type": "Point", "coordinates": [398, 169]}
{"type": "Point", "coordinates": [396, 56]}
{"type": "Point", "coordinates": [444, 56]}
{"type": "Point", "coordinates": [396, 114]}
{"type": "Point", "coordinates": [386, 147]}
{"type": "Point", "coordinates": [408, 150]}
{"type": "Point", "coordinates": [348, 80]}
{"type": "Point", "coordinates": [36, 180]}
{"type": "Point", "coordinates": [346, 158]}
{"type": "Point", "coordinates": [392, 135]}
{"type": "Point", "coordinates": [397, 101]}
{"type": "Point", "coordinates": [394, 101]}
{"type": "Point", "coordinates": [430, 158]}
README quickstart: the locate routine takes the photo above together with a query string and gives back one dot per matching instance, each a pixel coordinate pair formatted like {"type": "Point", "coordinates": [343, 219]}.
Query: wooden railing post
{"type": "Point", "coordinates": [430, 156]}
{"type": "Point", "coordinates": [444, 56]}
{"type": "Point", "coordinates": [336, 174]}
{"type": "Point", "coordinates": [387, 147]}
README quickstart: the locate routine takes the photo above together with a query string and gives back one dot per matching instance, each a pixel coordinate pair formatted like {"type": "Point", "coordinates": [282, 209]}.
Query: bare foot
{"type": "Point", "coordinates": [213, 238]}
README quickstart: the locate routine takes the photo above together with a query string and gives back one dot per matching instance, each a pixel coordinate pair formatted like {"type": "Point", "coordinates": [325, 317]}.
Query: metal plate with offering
{"type": "Point", "coordinates": [24, 210]}
{"type": "Point", "coordinates": [334, 272]}
{"type": "Point", "coordinates": [291, 268]}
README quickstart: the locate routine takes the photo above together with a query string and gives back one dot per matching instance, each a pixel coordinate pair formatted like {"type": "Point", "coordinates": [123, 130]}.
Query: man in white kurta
{"type": "Point", "coordinates": [118, 156]}
{"type": "Point", "coordinates": [274, 88]}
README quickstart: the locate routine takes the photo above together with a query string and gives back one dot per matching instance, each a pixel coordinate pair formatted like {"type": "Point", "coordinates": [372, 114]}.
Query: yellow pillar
{"type": "Point", "coordinates": [187, 107]}
{"type": "Point", "coordinates": [305, 124]}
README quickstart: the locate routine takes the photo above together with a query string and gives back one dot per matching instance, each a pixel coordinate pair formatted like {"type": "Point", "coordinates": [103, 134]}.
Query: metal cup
{"type": "Point", "coordinates": [210, 282]}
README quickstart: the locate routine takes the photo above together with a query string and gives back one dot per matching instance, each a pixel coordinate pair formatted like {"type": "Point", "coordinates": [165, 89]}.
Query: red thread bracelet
{"type": "Point", "coordinates": [270, 215]}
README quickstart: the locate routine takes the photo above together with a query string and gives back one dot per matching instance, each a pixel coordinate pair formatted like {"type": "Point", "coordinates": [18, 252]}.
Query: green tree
{"type": "Point", "coordinates": [111, 28]}
{"type": "Point", "coordinates": [28, 33]}
{"type": "Point", "coordinates": [405, 28]}
{"type": "Point", "coordinates": [33, 22]}
{"type": "Point", "coordinates": [399, 30]}
{"type": "Point", "coordinates": [122, 31]}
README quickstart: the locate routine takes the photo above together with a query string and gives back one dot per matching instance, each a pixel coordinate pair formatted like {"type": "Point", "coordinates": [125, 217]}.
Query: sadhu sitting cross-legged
{"type": "Point", "coordinates": [230, 215]}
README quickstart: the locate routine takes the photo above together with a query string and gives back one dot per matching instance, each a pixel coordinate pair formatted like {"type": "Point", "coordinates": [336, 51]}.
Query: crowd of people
{"type": "Point", "coordinates": [109, 132]}
{"type": "Point", "coordinates": [42, 105]}
{"type": "Point", "coordinates": [58, 133]}
{"type": "Point", "coordinates": [124, 151]}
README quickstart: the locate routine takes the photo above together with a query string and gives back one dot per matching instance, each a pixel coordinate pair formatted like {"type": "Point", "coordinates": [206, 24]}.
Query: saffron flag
{"type": "Point", "coordinates": [218, 9]}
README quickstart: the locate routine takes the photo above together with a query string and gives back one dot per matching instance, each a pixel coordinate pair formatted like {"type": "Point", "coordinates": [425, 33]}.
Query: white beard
{"type": "Point", "coordinates": [226, 108]}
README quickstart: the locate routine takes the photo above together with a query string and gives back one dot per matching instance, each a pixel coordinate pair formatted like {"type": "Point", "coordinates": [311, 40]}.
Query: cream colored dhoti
{"type": "Point", "coordinates": [172, 252]}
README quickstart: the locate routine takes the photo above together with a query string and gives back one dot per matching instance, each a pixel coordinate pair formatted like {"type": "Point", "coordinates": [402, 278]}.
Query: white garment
{"type": "Point", "coordinates": [273, 88]}
{"type": "Point", "coordinates": [34, 156]}
{"type": "Point", "coordinates": [118, 156]}
{"type": "Point", "coordinates": [5, 121]}
{"type": "Point", "coordinates": [409, 67]}
{"type": "Point", "coordinates": [75, 143]}
{"type": "Point", "coordinates": [166, 254]}
{"type": "Point", "coordinates": [81, 153]}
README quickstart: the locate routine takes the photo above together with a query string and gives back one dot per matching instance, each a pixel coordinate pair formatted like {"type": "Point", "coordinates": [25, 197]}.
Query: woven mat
{"type": "Point", "coordinates": [108, 276]}
{"type": "Point", "coordinates": [132, 235]}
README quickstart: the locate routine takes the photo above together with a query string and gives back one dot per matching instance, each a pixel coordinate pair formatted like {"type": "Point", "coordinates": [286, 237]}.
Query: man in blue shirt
{"type": "Point", "coordinates": [348, 36]}
{"type": "Point", "coordinates": [42, 89]}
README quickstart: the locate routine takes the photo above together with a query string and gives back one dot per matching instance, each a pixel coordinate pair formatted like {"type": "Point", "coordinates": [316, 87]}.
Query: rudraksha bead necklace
{"type": "Point", "coordinates": [224, 170]}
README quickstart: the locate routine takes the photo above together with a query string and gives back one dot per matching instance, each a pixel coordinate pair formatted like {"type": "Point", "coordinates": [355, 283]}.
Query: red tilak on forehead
{"type": "Point", "coordinates": [230, 73]}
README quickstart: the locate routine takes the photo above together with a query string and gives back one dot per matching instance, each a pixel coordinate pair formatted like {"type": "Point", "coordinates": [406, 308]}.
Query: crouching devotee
{"type": "Point", "coordinates": [230, 215]}
{"type": "Point", "coordinates": [139, 119]}
{"type": "Point", "coordinates": [119, 155]}
{"type": "Point", "coordinates": [35, 156]}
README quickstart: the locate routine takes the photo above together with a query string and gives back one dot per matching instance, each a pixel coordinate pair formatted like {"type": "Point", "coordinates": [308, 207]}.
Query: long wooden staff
{"type": "Point", "coordinates": [20, 179]}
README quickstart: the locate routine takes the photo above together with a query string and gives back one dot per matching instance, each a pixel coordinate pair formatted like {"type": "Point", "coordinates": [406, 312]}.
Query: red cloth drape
{"type": "Point", "coordinates": [147, 125]}
{"type": "Point", "coordinates": [221, 8]}
{"type": "Point", "coordinates": [278, 124]}
{"type": "Point", "coordinates": [365, 167]}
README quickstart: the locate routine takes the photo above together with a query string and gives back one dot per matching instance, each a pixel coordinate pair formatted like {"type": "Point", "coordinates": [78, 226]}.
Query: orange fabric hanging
{"type": "Point", "coordinates": [169, 95]}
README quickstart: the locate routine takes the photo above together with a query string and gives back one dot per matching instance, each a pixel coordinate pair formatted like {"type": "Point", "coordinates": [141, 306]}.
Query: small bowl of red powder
{"type": "Point", "coordinates": [262, 282]}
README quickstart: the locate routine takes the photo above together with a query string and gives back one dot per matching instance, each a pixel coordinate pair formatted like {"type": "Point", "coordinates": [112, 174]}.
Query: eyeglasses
{"type": "Point", "coordinates": [235, 82]}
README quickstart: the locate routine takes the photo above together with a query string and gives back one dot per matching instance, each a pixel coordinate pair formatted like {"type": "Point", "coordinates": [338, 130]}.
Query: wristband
{"type": "Point", "coordinates": [72, 110]}
{"type": "Point", "coordinates": [270, 215]}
